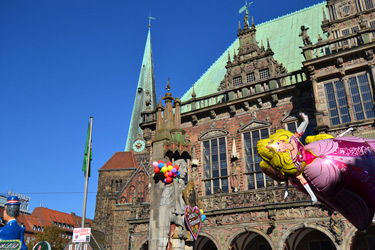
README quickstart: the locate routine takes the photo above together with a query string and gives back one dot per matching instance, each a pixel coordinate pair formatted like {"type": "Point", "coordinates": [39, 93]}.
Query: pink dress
{"type": "Point", "coordinates": [341, 173]}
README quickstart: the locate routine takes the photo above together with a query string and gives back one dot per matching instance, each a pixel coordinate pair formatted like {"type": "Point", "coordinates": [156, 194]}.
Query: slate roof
{"type": "Point", "coordinates": [120, 160]}
{"type": "Point", "coordinates": [283, 34]}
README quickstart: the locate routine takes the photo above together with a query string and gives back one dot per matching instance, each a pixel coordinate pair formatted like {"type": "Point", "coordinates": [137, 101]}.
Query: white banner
{"type": "Point", "coordinates": [81, 234]}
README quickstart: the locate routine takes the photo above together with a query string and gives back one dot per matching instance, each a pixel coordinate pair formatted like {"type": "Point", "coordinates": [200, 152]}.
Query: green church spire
{"type": "Point", "coordinates": [145, 98]}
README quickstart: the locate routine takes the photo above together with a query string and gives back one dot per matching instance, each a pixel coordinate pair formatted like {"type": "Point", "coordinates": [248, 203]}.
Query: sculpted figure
{"type": "Point", "coordinates": [172, 206]}
{"type": "Point", "coordinates": [12, 231]}
{"type": "Point", "coordinates": [305, 38]}
{"type": "Point", "coordinates": [336, 171]}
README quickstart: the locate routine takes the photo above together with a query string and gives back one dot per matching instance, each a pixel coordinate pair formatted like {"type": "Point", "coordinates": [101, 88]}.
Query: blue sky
{"type": "Point", "coordinates": [64, 61]}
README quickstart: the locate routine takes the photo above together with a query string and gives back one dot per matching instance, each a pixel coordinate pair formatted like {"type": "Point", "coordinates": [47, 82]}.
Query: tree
{"type": "Point", "coordinates": [53, 235]}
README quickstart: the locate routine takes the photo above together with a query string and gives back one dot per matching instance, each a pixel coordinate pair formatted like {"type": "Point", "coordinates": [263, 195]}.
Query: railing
{"type": "Point", "coordinates": [329, 47]}
{"type": "Point", "coordinates": [243, 91]}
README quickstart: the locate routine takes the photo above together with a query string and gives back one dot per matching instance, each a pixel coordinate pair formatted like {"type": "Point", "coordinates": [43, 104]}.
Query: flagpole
{"type": "Point", "coordinates": [87, 177]}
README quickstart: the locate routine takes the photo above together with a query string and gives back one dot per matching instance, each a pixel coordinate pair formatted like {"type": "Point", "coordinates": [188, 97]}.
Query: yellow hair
{"type": "Point", "coordinates": [280, 161]}
{"type": "Point", "coordinates": [319, 137]}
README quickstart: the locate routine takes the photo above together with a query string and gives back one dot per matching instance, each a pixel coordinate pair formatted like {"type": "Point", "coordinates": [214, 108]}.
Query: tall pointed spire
{"type": "Point", "coordinates": [145, 97]}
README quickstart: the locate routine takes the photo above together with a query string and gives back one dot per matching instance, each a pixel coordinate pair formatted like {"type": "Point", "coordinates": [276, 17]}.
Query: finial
{"type": "Point", "coordinates": [228, 57]}
{"type": "Point", "coordinates": [239, 26]}
{"type": "Point", "coordinates": [252, 22]}
{"type": "Point", "coordinates": [324, 15]}
{"type": "Point", "coordinates": [168, 87]}
{"type": "Point", "coordinates": [234, 54]}
{"type": "Point", "coordinates": [193, 94]}
{"type": "Point", "coordinates": [261, 46]}
{"type": "Point", "coordinates": [268, 44]}
{"type": "Point", "coordinates": [149, 20]}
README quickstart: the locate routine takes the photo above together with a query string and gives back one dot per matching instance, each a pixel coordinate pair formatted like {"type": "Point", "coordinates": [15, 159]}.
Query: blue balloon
{"type": "Point", "coordinates": [160, 165]}
{"type": "Point", "coordinates": [203, 217]}
{"type": "Point", "coordinates": [178, 174]}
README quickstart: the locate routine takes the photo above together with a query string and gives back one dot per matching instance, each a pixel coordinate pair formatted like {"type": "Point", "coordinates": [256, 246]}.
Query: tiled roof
{"type": "Point", "coordinates": [120, 160]}
{"type": "Point", "coordinates": [283, 34]}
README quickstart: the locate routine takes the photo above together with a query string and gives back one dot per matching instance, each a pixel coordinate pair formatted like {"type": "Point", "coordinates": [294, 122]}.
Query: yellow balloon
{"type": "Point", "coordinates": [170, 168]}
{"type": "Point", "coordinates": [201, 211]}
{"type": "Point", "coordinates": [164, 169]}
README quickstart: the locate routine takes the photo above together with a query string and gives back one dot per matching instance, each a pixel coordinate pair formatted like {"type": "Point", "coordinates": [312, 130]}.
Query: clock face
{"type": "Point", "coordinates": [138, 145]}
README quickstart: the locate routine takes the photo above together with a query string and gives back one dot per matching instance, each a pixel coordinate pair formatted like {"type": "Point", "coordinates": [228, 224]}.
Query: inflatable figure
{"type": "Point", "coordinates": [339, 172]}
{"type": "Point", "coordinates": [12, 231]}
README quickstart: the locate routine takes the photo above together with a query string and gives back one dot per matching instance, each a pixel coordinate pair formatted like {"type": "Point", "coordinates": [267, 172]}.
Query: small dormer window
{"type": "Point", "coordinates": [237, 81]}
{"type": "Point", "coordinates": [34, 228]}
{"type": "Point", "coordinates": [250, 78]}
{"type": "Point", "coordinates": [264, 74]}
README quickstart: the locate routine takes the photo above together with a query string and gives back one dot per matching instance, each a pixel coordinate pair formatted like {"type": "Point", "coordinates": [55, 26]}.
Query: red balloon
{"type": "Point", "coordinates": [169, 163]}
{"type": "Point", "coordinates": [160, 161]}
{"type": "Point", "coordinates": [157, 170]}
{"type": "Point", "coordinates": [168, 179]}
{"type": "Point", "coordinates": [176, 167]}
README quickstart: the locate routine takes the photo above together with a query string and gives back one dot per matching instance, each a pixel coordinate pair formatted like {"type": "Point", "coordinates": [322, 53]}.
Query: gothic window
{"type": "Point", "coordinates": [141, 186]}
{"type": "Point", "coordinates": [215, 165]}
{"type": "Point", "coordinates": [131, 194]}
{"type": "Point", "coordinates": [250, 78]}
{"type": "Point", "coordinates": [255, 177]}
{"type": "Point", "coordinates": [264, 74]}
{"type": "Point", "coordinates": [237, 81]}
{"type": "Point", "coordinates": [360, 92]}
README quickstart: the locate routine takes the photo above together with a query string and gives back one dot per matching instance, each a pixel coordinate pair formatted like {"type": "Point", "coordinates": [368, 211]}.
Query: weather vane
{"type": "Point", "coordinates": [245, 7]}
{"type": "Point", "coordinates": [168, 87]}
{"type": "Point", "coordinates": [149, 20]}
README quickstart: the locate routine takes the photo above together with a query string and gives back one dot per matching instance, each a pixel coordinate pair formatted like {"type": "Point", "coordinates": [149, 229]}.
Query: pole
{"type": "Point", "coordinates": [87, 177]}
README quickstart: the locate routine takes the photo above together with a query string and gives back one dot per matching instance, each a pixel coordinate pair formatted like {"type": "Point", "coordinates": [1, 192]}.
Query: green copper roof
{"type": "Point", "coordinates": [283, 34]}
{"type": "Point", "coordinates": [146, 82]}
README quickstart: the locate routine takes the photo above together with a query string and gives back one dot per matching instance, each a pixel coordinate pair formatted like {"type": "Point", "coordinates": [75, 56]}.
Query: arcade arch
{"type": "Point", "coordinates": [250, 240]}
{"type": "Point", "coordinates": [304, 236]}
{"type": "Point", "coordinates": [205, 243]}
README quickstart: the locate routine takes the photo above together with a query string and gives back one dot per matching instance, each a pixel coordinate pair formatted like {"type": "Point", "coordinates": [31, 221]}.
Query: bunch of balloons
{"type": "Point", "coordinates": [203, 216]}
{"type": "Point", "coordinates": [167, 170]}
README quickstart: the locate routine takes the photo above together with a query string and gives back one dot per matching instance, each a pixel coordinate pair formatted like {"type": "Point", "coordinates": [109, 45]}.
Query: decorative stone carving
{"type": "Point", "coordinates": [232, 109]}
{"type": "Point", "coordinates": [369, 54]}
{"type": "Point", "coordinates": [337, 227]}
{"type": "Point", "coordinates": [213, 114]}
{"type": "Point", "coordinates": [194, 119]}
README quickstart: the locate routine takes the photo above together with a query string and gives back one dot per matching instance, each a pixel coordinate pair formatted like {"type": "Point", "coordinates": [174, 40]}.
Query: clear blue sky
{"type": "Point", "coordinates": [63, 61]}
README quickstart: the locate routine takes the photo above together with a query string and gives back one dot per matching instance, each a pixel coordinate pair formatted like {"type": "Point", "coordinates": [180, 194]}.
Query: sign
{"type": "Point", "coordinates": [193, 220]}
{"type": "Point", "coordinates": [10, 244]}
{"type": "Point", "coordinates": [81, 234]}
{"type": "Point", "coordinates": [43, 245]}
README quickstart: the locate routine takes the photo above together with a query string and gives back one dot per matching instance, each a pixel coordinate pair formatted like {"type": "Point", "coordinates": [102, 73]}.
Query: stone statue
{"type": "Point", "coordinates": [305, 38]}
{"type": "Point", "coordinates": [172, 209]}
{"type": "Point", "coordinates": [234, 178]}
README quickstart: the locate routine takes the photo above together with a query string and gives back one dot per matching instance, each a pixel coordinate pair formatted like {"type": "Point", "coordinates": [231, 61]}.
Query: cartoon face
{"type": "Point", "coordinates": [280, 146]}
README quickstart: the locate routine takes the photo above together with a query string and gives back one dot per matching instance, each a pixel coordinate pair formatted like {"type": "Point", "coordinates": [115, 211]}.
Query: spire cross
{"type": "Point", "coordinates": [245, 7]}
{"type": "Point", "coordinates": [149, 20]}
{"type": "Point", "coordinates": [168, 87]}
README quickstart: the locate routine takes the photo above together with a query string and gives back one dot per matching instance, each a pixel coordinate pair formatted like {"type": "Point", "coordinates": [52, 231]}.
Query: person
{"type": "Point", "coordinates": [339, 172]}
{"type": "Point", "coordinates": [12, 231]}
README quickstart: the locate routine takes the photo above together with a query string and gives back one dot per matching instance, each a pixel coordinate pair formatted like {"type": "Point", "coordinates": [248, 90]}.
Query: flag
{"type": "Point", "coordinates": [88, 144]}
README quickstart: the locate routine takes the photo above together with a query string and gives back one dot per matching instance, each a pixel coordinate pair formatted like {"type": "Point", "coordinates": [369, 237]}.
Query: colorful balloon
{"type": "Point", "coordinates": [160, 165]}
{"type": "Point", "coordinates": [155, 164]}
{"type": "Point", "coordinates": [174, 170]}
{"type": "Point", "coordinates": [160, 161]}
{"type": "Point", "coordinates": [157, 170]}
{"type": "Point", "coordinates": [168, 179]}
{"type": "Point", "coordinates": [203, 217]}
{"type": "Point", "coordinates": [169, 163]}
{"type": "Point", "coordinates": [164, 169]}
{"type": "Point", "coordinates": [176, 167]}
{"type": "Point", "coordinates": [170, 168]}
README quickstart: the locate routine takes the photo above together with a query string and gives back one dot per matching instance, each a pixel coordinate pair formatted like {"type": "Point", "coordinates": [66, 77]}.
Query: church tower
{"type": "Point", "coordinates": [145, 97]}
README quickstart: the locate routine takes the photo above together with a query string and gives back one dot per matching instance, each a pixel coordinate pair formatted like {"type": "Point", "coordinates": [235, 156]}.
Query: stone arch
{"type": "Point", "coordinates": [143, 243]}
{"type": "Point", "coordinates": [296, 227]}
{"type": "Point", "coordinates": [210, 237]}
{"type": "Point", "coordinates": [350, 235]}
{"type": "Point", "coordinates": [253, 230]}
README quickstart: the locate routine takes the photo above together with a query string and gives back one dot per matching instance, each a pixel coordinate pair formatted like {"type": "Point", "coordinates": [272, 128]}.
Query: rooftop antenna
{"type": "Point", "coordinates": [149, 20]}
{"type": "Point", "coordinates": [245, 7]}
